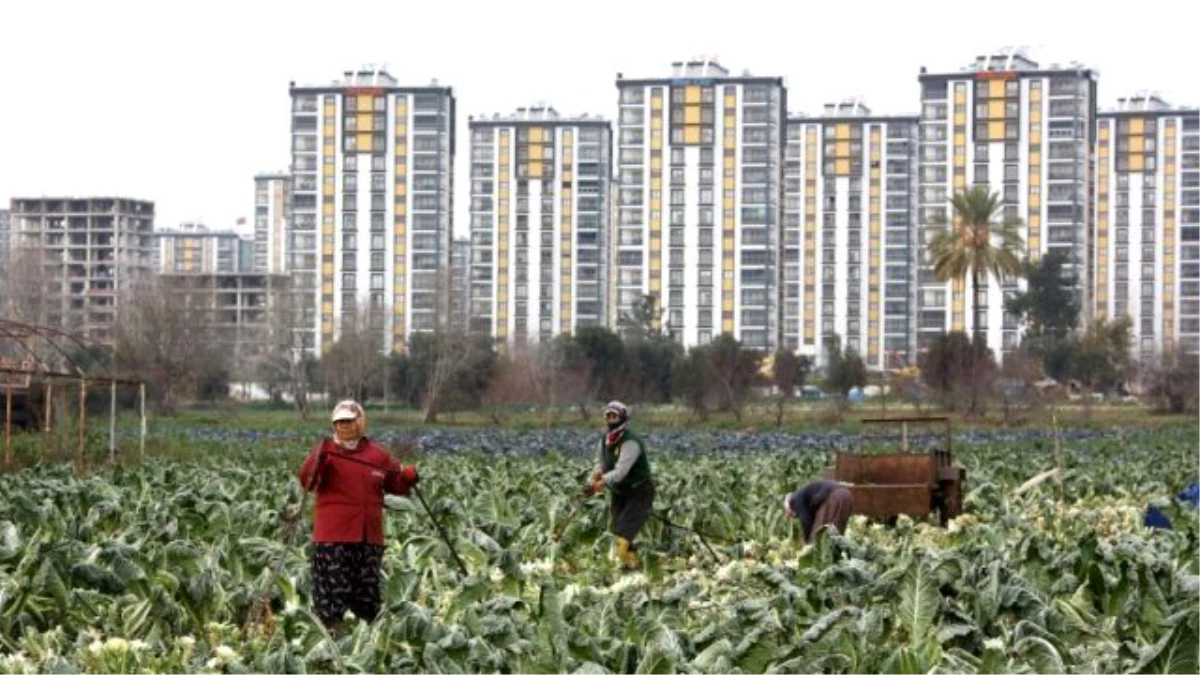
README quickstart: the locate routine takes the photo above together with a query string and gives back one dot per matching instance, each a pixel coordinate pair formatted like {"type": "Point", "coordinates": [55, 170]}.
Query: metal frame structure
{"type": "Point", "coordinates": [912, 483]}
{"type": "Point", "coordinates": [31, 353]}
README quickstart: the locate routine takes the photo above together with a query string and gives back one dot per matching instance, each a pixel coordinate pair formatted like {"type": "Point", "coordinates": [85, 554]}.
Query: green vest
{"type": "Point", "coordinates": [610, 454]}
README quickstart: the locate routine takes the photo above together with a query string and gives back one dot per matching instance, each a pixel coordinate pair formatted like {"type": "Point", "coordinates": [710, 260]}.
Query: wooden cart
{"type": "Point", "coordinates": [915, 484]}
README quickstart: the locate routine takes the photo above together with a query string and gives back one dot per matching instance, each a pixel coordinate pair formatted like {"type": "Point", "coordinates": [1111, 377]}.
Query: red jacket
{"type": "Point", "coordinates": [350, 495]}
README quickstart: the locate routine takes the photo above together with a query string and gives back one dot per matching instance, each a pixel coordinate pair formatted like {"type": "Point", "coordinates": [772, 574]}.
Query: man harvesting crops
{"type": "Point", "coordinates": [820, 503]}
{"type": "Point", "coordinates": [623, 469]}
{"type": "Point", "coordinates": [349, 474]}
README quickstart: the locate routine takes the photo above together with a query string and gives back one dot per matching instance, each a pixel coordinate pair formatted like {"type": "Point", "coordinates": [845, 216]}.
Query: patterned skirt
{"type": "Point", "coordinates": [346, 576]}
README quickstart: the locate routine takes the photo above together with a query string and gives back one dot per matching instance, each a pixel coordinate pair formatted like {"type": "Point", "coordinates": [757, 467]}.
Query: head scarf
{"type": "Point", "coordinates": [616, 428]}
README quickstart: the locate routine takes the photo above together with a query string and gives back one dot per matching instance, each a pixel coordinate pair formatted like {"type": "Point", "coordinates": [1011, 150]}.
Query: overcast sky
{"type": "Point", "coordinates": [182, 103]}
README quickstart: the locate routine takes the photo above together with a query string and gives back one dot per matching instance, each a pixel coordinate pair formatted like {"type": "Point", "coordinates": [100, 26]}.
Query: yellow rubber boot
{"type": "Point", "coordinates": [625, 554]}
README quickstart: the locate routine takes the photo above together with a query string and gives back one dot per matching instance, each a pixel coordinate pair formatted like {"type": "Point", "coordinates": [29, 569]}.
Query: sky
{"type": "Point", "coordinates": [183, 103]}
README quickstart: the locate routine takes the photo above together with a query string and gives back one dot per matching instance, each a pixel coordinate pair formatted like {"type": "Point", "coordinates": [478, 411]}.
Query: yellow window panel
{"type": "Point", "coordinates": [655, 204]}
{"type": "Point", "coordinates": [328, 130]}
{"type": "Point", "coordinates": [842, 167]}
{"type": "Point", "coordinates": [729, 164]}
{"type": "Point", "coordinates": [691, 94]}
{"type": "Point", "coordinates": [401, 131]}
{"type": "Point", "coordinates": [691, 135]}
{"type": "Point", "coordinates": [996, 108]}
{"type": "Point", "coordinates": [656, 162]}
{"type": "Point", "coordinates": [401, 208]}
{"type": "Point", "coordinates": [1136, 162]}
{"type": "Point", "coordinates": [364, 122]}
{"type": "Point", "coordinates": [1137, 125]}
{"type": "Point", "coordinates": [1104, 132]}
{"type": "Point", "coordinates": [1137, 143]}
{"type": "Point", "coordinates": [364, 142]}
{"type": "Point", "coordinates": [996, 88]}
{"type": "Point", "coordinates": [995, 130]}
{"type": "Point", "coordinates": [327, 209]}
{"type": "Point", "coordinates": [401, 189]}
{"type": "Point", "coordinates": [842, 148]}
{"type": "Point", "coordinates": [535, 170]}
{"type": "Point", "coordinates": [691, 114]}
{"type": "Point", "coordinates": [843, 132]}
{"type": "Point", "coordinates": [960, 140]}
{"type": "Point", "coordinates": [960, 118]}
{"type": "Point", "coordinates": [535, 151]}
{"type": "Point", "coordinates": [728, 204]}
{"type": "Point", "coordinates": [730, 141]}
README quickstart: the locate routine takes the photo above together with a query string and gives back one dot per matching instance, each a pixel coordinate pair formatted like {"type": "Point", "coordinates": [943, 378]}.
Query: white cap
{"type": "Point", "coordinates": [346, 410]}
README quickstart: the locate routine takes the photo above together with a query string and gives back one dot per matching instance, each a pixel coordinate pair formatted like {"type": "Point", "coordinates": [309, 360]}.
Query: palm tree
{"type": "Point", "coordinates": [976, 244]}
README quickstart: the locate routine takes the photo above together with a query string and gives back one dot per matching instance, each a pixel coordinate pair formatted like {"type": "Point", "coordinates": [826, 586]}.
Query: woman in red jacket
{"type": "Point", "coordinates": [350, 474]}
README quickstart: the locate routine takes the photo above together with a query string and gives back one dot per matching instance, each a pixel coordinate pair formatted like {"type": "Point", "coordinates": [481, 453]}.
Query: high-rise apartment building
{"type": "Point", "coordinates": [192, 248]}
{"type": "Point", "coordinates": [848, 234]}
{"type": "Point", "coordinates": [699, 161]}
{"type": "Point", "coordinates": [539, 216]}
{"type": "Point", "coordinates": [271, 201]}
{"type": "Point", "coordinates": [460, 283]}
{"type": "Point", "coordinates": [1147, 231]}
{"type": "Point", "coordinates": [1026, 132]}
{"type": "Point", "coordinates": [371, 216]}
{"type": "Point", "coordinates": [78, 257]}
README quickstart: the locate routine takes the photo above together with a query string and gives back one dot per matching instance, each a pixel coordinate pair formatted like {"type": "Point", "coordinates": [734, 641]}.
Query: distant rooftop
{"type": "Point", "coordinates": [1146, 101]}
{"type": "Point", "coordinates": [1143, 100]}
{"type": "Point", "coordinates": [195, 229]}
{"type": "Point", "coordinates": [698, 67]}
{"type": "Point", "coordinates": [368, 75]}
{"type": "Point", "coordinates": [1013, 59]}
{"type": "Point", "coordinates": [1004, 58]}
{"type": "Point", "coordinates": [538, 112]}
{"type": "Point", "coordinates": [852, 107]}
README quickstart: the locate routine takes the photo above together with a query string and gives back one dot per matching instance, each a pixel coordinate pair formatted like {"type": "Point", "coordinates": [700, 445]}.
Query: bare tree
{"type": "Point", "coordinates": [283, 366]}
{"type": "Point", "coordinates": [354, 366]}
{"type": "Point", "coordinates": [447, 365]}
{"type": "Point", "coordinates": [1173, 380]}
{"type": "Point", "coordinates": [30, 295]}
{"type": "Point", "coordinates": [166, 337]}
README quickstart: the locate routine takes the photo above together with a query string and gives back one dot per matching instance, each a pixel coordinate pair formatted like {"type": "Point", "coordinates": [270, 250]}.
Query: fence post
{"type": "Point", "coordinates": [7, 426]}
{"type": "Point", "coordinates": [112, 422]}
{"type": "Point", "coordinates": [82, 421]}
{"type": "Point", "coordinates": [142, 411]}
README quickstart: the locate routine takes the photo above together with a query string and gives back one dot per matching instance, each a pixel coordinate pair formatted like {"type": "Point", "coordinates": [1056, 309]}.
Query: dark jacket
{"type": "Point", "coordinates": [806, 501]}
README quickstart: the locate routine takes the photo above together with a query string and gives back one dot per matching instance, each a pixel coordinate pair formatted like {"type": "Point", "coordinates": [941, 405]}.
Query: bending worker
{"type": "Point", "coordinates": [820, 503]}
{"type": "Point", "coordinates": [622, 468]}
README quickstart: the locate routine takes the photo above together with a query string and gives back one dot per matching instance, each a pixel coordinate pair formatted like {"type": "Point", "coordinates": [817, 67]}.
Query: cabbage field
{"type": "Point", "coordinates": [153, 568]}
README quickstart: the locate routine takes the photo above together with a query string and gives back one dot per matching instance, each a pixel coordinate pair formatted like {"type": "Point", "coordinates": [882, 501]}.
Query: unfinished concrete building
{"type": "Point", "coordinates": [74, 258]}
